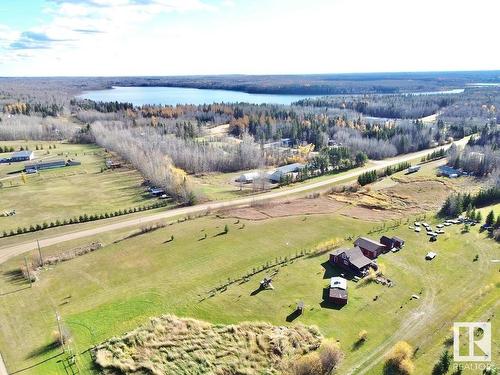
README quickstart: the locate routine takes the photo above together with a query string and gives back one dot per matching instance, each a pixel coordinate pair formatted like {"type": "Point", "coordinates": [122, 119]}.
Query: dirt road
{"type": "Point", "coordinates": [12, 251]}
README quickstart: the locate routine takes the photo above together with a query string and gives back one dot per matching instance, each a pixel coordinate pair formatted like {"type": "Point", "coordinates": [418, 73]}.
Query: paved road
{"type": "Point", "coordinates": [12, 251]}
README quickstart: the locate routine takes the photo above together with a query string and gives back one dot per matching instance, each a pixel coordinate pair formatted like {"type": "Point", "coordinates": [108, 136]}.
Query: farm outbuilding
{"type": "Point", "coordinates": [247, 178]}
{"type": "Point", "coordinates": [392, 242]}
{"type": "Point", "coordinates": [285, 170]}
{"type": "Point", "coordinates": [352, 260]}
{"type": "Point", "coordinates": [370, 248]}
{"type": "Point", "coordinates": [413, 169]}
{"type": "Point", "coordinates": [42, 165]}
{"type": "Point", "coordinates": [338, 290]}
{"type": "Point", "coordinates": [22, 156]}
{"type": "Point", "coordinates": [447, 171]}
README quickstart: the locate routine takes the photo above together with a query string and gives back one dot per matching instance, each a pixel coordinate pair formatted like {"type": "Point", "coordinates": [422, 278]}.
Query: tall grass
{"type": "Point", "coordinates": [172, 345]}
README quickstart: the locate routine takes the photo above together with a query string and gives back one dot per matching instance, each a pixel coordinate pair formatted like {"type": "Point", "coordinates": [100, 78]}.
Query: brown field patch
{"type": "Point", "coordinates": [301, 206]}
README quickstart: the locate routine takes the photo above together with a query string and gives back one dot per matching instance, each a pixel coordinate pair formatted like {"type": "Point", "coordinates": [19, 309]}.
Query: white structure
{"type": "Point", "coordinates": [285, 170]}
{"type": "Point", "coordinates": [248, 178]}
{"type": "Point", "coordinates": [338, 282]}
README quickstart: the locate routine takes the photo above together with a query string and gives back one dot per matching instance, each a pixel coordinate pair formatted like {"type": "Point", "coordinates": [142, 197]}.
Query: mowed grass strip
{"type": "Point", "coordinates": [115, 289]}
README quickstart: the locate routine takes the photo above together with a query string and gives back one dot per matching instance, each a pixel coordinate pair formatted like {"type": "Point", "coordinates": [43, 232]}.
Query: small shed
{"type": "Point", "coordinates": [391, 243]}
{"type": "Point", "coordinates": [338, 290]}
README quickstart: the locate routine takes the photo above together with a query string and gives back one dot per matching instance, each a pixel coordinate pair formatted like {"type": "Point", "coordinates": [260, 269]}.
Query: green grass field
{"type": "Point", "coordinates": [115, 289]}
{"type": "Point", "coordinates": [66, 192]}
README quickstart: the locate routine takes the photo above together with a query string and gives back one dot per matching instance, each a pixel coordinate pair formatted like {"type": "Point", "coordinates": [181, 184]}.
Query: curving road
{"type": "Point", "coordinates": [14, 250]}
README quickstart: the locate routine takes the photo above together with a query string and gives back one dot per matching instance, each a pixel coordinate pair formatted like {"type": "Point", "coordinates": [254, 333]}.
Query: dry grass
{"type": "Point", "coordinates": [172, 345]}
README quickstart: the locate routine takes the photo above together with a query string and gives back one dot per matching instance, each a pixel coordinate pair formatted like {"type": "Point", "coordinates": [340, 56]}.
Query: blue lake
{"type": "Point", "coordinates": [181, 95]}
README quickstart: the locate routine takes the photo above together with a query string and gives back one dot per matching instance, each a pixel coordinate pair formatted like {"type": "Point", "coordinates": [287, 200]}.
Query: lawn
{"type": "Point", "coordinates": [117, 288]}
{"type": "Point", "coordinates": [63, 193]}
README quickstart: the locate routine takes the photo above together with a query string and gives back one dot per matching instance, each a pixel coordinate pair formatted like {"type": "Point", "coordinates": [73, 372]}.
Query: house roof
{"type": "Point", "coordinates": [355, 256]}
{"type": "Point", "coordinates": [338, 282]}
{"type": "Point", "coordinates": [22, 154]}
{"type": "Point", "coordinates": [338, 293]}
{"type": "Point", "coordinates": [368, 244]}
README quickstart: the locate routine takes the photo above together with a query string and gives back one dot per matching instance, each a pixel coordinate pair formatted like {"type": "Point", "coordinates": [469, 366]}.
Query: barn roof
{"type": "Point", "coordinates": [368, 244]}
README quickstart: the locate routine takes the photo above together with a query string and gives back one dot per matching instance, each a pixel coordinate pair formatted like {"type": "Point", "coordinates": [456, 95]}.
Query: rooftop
{"type": "Point", "coordinates": [368, 244]}
{"type": "Point", "coordinates": [338, 282]}
{"type": "Point", "coordinates": [22, 154]}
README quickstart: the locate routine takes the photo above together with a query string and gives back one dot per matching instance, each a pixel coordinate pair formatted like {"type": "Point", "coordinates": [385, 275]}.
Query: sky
{"type": "Point", "coordinates": [187, 37]}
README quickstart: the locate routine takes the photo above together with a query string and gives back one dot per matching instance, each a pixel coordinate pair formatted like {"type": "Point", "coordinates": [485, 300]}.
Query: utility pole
{"type": "Point", "coordinates": [39, 253]}
{"type": "Point", "coordinates": [28, 271]}
{"type": "Point", "coordinates": [61, 336]}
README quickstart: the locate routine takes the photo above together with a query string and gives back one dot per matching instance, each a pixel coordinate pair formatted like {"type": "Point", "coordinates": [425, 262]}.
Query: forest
{"type": "Point", "coordinates": [166, 143]}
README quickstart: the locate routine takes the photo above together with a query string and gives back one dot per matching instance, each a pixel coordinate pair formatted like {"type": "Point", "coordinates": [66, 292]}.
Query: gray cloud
{"type": "Point", "coordinates": [88, 31]}
{"type": "Point", "coordinates": [34, 40]}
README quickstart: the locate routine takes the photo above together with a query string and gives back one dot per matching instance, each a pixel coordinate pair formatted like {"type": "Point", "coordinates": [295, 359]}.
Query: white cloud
{"type": "Point", "coordinates": [162, 37]}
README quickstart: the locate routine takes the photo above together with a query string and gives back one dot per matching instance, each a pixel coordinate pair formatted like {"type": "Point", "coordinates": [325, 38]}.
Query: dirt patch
{"type": "Point", "coordinates": [394, 201]}
{"type": "Point", "coordinates": [302, 206]}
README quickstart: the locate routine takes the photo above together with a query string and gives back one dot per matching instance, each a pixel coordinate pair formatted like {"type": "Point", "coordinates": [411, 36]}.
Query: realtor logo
{"type": "Point", "coordinates": [478, 347]}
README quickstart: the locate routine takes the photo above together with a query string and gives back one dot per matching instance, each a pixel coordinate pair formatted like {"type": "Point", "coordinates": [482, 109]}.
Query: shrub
{"type": "Point", "coordinates": [330, 356]}
{"type": "Point", "coordinates": [309, 364]}
{"type": "Point", "coordinates": [398, 361]}
{"type": "Point", "coordinates": [363, 335]}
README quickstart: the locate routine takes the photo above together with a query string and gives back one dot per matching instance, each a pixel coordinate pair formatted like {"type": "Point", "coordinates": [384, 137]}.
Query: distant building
{"type": "Point", "coordinates": [22, 156]}
{"type": "Point", "coordinates": [113, 164]}
{"type": "Point", "coordinates": [338, 290]}
{"type": "Point", "coordinates": [352, 260]}
{"type": "Point", "coordinates": [391, 243]}
{"type": "Point", "coordinates": [156, 192]}
{"type": "Point", "coordinates": [247, 178]}
{"type": "Point", "coordinates": [370, 248]}
{"type": "Point", "coordinates": [41, 165]}
{"type": "Point", "coordinates": [285, 170]}
{"type": "Point", "coordinates": [284, 142]}
{"type": "Point", "coordinates": [413, 169]}
{"type": "Point", "coordinates": [447, 171]}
